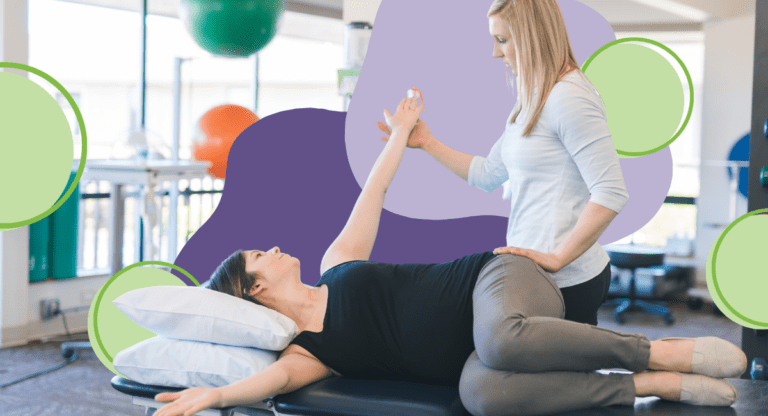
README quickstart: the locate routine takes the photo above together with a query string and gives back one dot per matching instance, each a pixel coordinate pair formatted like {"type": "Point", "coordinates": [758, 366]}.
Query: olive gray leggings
{"type": "Point", "coordinates": [529, 360]}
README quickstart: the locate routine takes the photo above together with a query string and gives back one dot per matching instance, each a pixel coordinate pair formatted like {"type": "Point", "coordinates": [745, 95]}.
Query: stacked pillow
{"type": "Point", "coordinates": [205, 338]}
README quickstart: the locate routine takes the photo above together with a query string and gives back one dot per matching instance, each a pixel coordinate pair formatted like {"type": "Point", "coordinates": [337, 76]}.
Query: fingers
{"type": "Point", "coordinates": [419, 94]}
{"type": "Point", "coordinates": [383, 127]}
{"type": "Point", "coordinates": [387, 116]}
{"type": "Point", "coordinates": [167, 397]}
{"type": "Point", "coordinates": [194, 409]}
{"type": "Point", "coordinates": [505, 250]}
{"type": "Point", "coordinates": [384, 139]}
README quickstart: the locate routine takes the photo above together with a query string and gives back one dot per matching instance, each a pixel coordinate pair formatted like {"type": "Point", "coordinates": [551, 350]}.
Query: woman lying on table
{"type": "Point", "coordinates": [491, 324]}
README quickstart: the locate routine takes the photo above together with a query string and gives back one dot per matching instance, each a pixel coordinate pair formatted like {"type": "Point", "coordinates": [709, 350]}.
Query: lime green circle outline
{"type": "Point", "coordinates": [714, 275]}
{"type": "Point", "coordinates": [83, 152]}
{"type": "Point", "coordinates": [112, 279]}
{"type": "Point", "coordinates": [687, 76]}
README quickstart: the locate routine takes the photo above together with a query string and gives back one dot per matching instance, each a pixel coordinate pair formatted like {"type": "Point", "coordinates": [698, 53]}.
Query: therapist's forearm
{"type": "Point", "coordinates": [457, 162]}
{"type": "Point", "coordinates": [590, 226]}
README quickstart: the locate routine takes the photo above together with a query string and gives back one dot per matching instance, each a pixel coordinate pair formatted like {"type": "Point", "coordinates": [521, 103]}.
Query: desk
{"type": "Point", "coordinates": [146, 174]}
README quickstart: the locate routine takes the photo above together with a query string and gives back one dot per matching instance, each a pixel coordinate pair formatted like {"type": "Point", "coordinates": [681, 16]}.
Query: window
{"type": "Point", "coordinates": [95, 53]}
{"type": "Point", "coordinates": [679, 219]}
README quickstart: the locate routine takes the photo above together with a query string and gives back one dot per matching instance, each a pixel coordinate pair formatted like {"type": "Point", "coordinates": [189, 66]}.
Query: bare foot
{"type": "Point", "coordinates": [665, 385]}
{"type": "Point", "coordinates": [672, 355]}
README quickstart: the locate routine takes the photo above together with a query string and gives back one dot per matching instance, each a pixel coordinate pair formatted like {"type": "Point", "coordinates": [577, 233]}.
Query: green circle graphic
{"type": "Point", "coordinates": [31, 121]}
{"type": "Point", "coordinates": [737, 256]}
{"type": "Point", "coordinates": [644, 114]}
{"type": "Point", "coordinates": [109, 329]}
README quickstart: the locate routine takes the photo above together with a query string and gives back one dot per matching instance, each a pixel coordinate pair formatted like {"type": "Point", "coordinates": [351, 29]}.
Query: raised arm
{"type": "Point", "coordinates": [486, 173]}
{"type": "Point", "coordinates": [355, 242]}
{"type": "Point", "coordinates": [291, 372]}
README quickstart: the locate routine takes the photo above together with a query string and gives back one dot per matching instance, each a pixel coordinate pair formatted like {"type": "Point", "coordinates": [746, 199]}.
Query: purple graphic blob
{"type": "Point", "coordinates": [289, 184]}
{"type": "Point", "coordinates": [446, 52]}
{"type": "Point", "coordinates": [647, 179]}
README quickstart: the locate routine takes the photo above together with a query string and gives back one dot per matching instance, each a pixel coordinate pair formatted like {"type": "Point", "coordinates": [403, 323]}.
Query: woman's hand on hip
{"type": "Point", "coordinates": [188, 402]}
{"type": "Point", "coordinates": [548, 261]}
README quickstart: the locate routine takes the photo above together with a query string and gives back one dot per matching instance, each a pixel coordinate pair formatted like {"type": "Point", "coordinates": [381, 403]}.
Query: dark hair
{"type": "Point", "coordinates": [231, 278]}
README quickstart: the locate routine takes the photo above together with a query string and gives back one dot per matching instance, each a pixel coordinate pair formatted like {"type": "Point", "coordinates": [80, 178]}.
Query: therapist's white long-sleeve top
{"type": "Point", "coordinates": [552, 172]}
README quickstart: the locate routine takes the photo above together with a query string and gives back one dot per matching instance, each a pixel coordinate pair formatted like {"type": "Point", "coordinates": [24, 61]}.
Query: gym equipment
{"type": "Point", "coordinates": [232, 28]}
{"type": "Point", "coordinates": [633, 257]}
{"type": "Point", "coordinates": [341, 396]}
{"type": "Point", "coordinates": [62, 247]}
{"type": "Point", "coordinates": [219, 127]}
{"type": "Point", "coordinates": [740, 153]}
{"type": "Point", "coordinates": [53, 240]}
{"type": "Point", "coordinates": [38, 249]}
{"type": "Point", "coordinates": [656, 282]}
{"type": "Point", "coordinates": [754, 342]}
{"type": "Point", "coordinates": [331, 396]}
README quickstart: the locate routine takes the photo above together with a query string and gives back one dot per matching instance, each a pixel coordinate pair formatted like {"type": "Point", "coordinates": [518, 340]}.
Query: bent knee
{"type": "Point", "coordinates": [474, 387]}
{"type": "Point", "coordinates": [498, 343]}
{"type": "Point", "coordinates": [488, 392]}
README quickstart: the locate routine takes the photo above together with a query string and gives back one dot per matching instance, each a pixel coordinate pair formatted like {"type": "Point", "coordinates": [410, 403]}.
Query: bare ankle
{"type": "Point", "coordinates": [671, 355]}
{"type": "Point", "coordinates": [663, 384]}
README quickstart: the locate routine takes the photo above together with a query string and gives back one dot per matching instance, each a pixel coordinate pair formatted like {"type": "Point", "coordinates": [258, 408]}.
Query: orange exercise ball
{"type": "Point", "coordinates": [218, 129]}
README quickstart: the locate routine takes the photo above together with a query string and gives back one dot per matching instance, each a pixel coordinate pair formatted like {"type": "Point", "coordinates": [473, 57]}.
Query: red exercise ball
{"type": "Point", "coordinates": [219, 127]}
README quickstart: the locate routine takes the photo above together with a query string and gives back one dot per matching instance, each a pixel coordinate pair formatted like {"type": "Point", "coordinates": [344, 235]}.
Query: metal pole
{"type": "Point", "coordinates": [143, 63]}
{"type": "Point", "coordinates": [142, 123]}
{"type": "Point", "coordinates": [256, 85]}
{"type": "Point", "coordinates": [173, 212]}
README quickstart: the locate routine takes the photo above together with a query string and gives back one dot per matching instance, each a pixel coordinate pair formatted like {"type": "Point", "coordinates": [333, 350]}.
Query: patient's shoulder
{"type": "Point", "coordinates": [295, 349]}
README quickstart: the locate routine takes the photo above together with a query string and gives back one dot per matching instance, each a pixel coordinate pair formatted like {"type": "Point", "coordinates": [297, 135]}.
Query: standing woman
{"type": "Point", "coordinates": [563, 172]}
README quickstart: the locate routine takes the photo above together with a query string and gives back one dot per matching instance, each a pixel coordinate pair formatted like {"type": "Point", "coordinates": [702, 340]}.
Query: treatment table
{"type": "Point", "coordinates": [340, 396]}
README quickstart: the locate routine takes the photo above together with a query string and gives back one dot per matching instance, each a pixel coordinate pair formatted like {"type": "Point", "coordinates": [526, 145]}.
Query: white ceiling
{"type": "Point", "coordinates": [624, 15]}
{"type": "Point", "coordinates": [328, 8]}
{"type": "Point", "coordinates": [664, 15]}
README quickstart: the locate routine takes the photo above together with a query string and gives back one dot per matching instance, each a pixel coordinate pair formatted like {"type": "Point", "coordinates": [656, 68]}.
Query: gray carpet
{"type": "Point", "coordinates": [82, 388]}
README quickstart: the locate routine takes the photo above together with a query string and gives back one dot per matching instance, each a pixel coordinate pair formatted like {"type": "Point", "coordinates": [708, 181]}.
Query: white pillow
{"type": "Point", "coordinates": [200, 314]}
{"type": "Point", "coordinates": [176, 363]}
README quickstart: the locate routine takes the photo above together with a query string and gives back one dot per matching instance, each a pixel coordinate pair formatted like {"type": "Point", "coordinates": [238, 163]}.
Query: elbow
{"type": "Point", "coordinates": [624, 203]}
{"type": "Point", "coordinates": [283, 383]}
{"type": "Point", "coordinates": [615, 199]}
{"type": "Point", "coordinates": [622, 198]}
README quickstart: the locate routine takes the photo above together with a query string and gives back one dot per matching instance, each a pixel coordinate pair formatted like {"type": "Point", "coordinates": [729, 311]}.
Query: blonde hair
{"type": "Point", "coordinates": [543, 50]}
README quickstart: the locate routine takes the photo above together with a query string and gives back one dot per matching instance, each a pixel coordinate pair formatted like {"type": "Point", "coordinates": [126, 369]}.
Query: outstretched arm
{"type": "Point", "coordinates": [421, 138]}
{"type": "Point", "coordinates": [355, 242]}
{"type": "Point", "coordinates": [290, 372]}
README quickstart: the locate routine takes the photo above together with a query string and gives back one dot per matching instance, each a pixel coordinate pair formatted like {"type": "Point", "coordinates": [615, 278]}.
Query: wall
{"type": "Point", "coordinates": [14, 244]}
{"type": "Point", "coordinates": [19, 300]}
{"type": "Point", "coordinates": [726, 116]}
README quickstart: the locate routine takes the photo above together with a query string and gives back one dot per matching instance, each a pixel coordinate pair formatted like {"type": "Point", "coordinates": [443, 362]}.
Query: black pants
{"type": "Point", "coordinates": [583, 300]}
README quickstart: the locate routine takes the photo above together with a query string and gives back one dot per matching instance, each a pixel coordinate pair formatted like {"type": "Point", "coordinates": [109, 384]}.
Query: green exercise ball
{"type": "Point", "coordinates": [233, 28]}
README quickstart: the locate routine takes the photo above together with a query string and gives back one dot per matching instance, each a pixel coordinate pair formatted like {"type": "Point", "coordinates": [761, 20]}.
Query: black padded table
{"type": "Point", "coordinates": [340, 396]}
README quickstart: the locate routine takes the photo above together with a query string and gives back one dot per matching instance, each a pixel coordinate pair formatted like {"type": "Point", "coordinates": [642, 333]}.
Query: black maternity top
{"type": "Point", "coordinates": [409, 322]}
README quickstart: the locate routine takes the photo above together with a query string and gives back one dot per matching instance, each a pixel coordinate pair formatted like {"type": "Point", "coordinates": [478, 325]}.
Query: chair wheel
{"type": "Point", "coordinates": [695, 304]}
{"type": "Point", "coordinates": [669, 319]}
{"type": "Point", "coordinates": [759, 369]}
{"type": "Point", "coordinates": [619, 318]}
